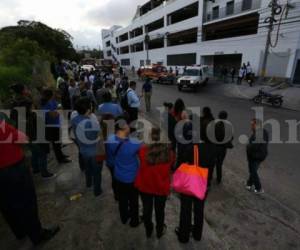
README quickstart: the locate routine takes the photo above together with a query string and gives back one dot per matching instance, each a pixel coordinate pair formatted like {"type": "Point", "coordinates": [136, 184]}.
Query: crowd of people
{"type": "Point", "coordinates": [104, 109]}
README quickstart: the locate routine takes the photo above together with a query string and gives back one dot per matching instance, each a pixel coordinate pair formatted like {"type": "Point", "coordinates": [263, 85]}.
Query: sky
{"type": "Point", "coordinates": [83, 19]}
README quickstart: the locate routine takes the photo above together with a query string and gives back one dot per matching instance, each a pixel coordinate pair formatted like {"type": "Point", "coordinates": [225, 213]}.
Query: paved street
{"type": "Point", "coordinates": [234, 218]}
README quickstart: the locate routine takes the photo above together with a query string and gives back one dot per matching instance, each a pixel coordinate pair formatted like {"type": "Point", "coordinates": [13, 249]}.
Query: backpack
{"type": "Point", "coordinates": [124, 100]}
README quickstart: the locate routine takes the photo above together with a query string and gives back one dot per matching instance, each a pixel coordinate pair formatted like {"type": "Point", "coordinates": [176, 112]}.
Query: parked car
{"type": "Point", "coordinates": [193, 77]}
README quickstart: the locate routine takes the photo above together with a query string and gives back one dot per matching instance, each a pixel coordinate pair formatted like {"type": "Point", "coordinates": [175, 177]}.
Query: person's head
{"type": "Point", "coordinates": [223, 115]}
{"type": "Point", "coordinates": [83, 106]}
{"type": "Point", "coordinates": [108, 83]}
{"type": "Point", "coordinates": [179, 106]}
{"type": "Point", "coordinates": [72, 82]}
{"type": "Point", "coordinates": [168, 106]}
{"type": "Point", "coordinates": [132, 85]}
{"type": "Point", "coordinates": [157, 152]}
{"type": "Point", "coordinates": [82, 85]}
{"type": "Point", "coordinates": [121, 127]}
{"type": "Point", "coordinates": [18, 88]}
{"type": "Point", "coordinates": [206, 112]}
{"type": "Point", "coordinates": [107, 97]}
{"type": "Point", "coordinates": [47, 95]}
{"type": "Point", "coordinates": [256, 124]}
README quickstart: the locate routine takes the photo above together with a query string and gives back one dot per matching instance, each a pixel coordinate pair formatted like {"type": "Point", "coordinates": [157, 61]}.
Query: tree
{"type": "Point", "coordinates": [56, 42]}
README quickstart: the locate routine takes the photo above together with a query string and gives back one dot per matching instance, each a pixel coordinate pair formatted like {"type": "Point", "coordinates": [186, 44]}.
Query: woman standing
{"type": "Point", "coordinates": [153, 181]}
{"type": "Point", "coordinates": [189, 204]}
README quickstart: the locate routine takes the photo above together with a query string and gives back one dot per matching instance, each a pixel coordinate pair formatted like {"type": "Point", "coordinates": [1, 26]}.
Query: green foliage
{"type": "Point", "coordinates": [9, 75]}
{"type": "Point", "coordinates": [26, 51]}
{"type": "Point", "coordinates": [58, 43]}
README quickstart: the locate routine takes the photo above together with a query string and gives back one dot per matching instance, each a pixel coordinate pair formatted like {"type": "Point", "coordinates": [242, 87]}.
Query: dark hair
{"type": "Point", "coordinates": [132, 84]}
{"type": "Point", "coordinates": [206, 112]}
{"type": "Point", "coordinates": [18, 88]}
{"type": "Point", "coordinates": [157, 152]}
{"type": "Point", "coordinates": [120, 122]}
{"type": "Point", "coordinates": [83, 105]}
{"type": "Point", "coordinates": [223, 115]}
{"type": "Point", "coordinates": [107, 96]}
{"type": "Point", "coordinates": [179, 106]}
{"type": "Point", "coordinates": [47, 94]}
{"type": "Point", "coordinates": [168, 105]}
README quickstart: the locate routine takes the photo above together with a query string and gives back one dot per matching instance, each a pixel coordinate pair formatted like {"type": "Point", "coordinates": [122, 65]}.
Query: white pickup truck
{"type": "Point", "coordinates": [193, 78]}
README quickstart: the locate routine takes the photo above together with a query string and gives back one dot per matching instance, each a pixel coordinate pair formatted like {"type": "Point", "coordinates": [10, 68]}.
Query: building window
{"type": "Point", "coordinates": [107, 43]}
{"type": "Point", "coordinates": [117, 39]}
{"type": "Point", "coordinates": [123, 37]}
{"type": "Point", "coordinates": [136, 32]}
{"type": "Point", "coordinates": [183, 14]}
{"type": "Point", "coordinates": [230, 8]}
{"type": "Point", "coordinates": [182, 59]}
{"type": "Point", "coordinates": [108, 53]}
{"type": "Point", "coordinates": [233, 27]}
{"type": "Point", "coordinates": [158, 24]}
{"type": "Point", "coordinates": [246, 5]}
{"type": "Point", "coordinates": [125, 62]}
{"type": "Point", "coordinates": [183, 37]}
{"type": "Point", "coordinates": [124, 50]}
{"type": "Point", "coordinates": [215, 12]}
{"type": "Point", "coordinates": [137, 47]}
{"type": "Point", "coordinates": [156, 43]}
{"type": "Point", "coordinates": [118, 51]}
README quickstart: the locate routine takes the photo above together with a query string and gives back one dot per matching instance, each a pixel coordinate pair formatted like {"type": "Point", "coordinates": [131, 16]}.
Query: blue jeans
{"type": "Point", "coordinates": [253, 175]}
{"type": "Point", "coordinates": [93, 173]}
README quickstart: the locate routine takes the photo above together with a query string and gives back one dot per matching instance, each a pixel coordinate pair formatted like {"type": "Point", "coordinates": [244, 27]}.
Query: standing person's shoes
{"type": "Point", "coordinates": [48, 175]}
{"type": "Point", "coordinates": [149, 231]}
{"type": "Point", "coordinates": [64, 161]}
{"type": "Point", "coordinates": [261, 191]}
{"type": "Point", "coordinates": [180, 238]}
{"type": "Point", "coordinates": [160, 232]}
{"type": "Point", "coordinates": [47, 234]}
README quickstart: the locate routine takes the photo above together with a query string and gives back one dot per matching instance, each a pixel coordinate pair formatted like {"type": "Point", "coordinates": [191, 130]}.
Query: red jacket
{"type": "Point", "coordinates": [11, 141]}
{"type": "Point", "coordinates": [153, 179]}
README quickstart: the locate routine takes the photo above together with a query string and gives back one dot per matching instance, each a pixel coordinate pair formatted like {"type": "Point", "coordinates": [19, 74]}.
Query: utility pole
{"type": "Point", "coordinates": [147, 39]}
{"type": "Point", "coordinates": [271, 21]}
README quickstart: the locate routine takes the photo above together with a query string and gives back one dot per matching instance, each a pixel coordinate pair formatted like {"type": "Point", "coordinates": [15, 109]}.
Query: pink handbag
{"type": "Point", "coordinates": [191, 179]}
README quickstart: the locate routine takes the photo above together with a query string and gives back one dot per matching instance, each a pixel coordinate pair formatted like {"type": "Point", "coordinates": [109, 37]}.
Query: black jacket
{"type": "Point", "coordinates": [257, 148]}
{"type": "Point", "coordinates": [185, 152]}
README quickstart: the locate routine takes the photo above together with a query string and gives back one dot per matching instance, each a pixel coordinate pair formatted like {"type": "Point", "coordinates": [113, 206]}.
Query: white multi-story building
{"type": "Point", "coordinates": [220, 33]}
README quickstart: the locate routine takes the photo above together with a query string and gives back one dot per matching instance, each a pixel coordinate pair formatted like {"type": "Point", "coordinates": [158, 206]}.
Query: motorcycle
{"type": "Point", "coordinates": [274, 100]}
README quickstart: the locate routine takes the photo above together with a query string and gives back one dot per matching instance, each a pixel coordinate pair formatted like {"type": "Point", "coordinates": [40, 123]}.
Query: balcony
{"type": "Point", "coordinates": [232, 9]}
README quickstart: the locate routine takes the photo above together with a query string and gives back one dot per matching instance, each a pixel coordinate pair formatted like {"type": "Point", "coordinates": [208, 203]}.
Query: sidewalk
{"type": "Point", "coordinates": [234, 218]}
{"type": "Point", "coordinates": [291, 95]}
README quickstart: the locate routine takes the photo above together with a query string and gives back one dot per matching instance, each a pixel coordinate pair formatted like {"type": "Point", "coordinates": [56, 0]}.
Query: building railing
{"type": "Point", "coordinates": [231, 9]}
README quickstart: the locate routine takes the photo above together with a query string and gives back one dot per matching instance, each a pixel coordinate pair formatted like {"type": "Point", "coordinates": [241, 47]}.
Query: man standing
{"type": "Point", "coordinates": [18, 203]}
{"type": "Point", "coordinates": [257, 152]}
{"type": "Point", "coordinates": [133, 102]}
{"type": "Point", "coordinates": [147, 93]}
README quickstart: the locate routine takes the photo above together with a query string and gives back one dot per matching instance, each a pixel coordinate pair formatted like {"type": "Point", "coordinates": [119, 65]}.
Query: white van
{"type": "Point", "coordinates": [193, 77]}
